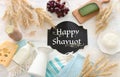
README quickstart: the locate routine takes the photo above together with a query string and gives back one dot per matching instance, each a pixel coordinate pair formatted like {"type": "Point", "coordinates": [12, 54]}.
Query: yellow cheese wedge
{"type": "Point", "coordinates": [7, 51]}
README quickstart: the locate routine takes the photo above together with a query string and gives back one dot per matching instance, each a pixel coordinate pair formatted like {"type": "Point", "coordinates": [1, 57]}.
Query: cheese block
{"type": "Point", "coordinates": [88, 9]}
{"type": "Point", "coordinates": [7, 51]}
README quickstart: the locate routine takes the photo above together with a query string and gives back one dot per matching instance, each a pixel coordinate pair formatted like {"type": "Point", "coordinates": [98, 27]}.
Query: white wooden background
{"type": "Point", "coordinates": [92, 48]}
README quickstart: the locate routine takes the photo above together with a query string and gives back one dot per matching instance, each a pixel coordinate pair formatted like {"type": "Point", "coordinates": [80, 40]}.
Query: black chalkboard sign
{"type": "Point", "coordinates": [67, 37]}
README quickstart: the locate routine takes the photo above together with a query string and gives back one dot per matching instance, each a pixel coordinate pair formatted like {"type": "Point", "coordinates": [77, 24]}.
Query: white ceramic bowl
{"type": "Point", "coordinates": [109, 42]}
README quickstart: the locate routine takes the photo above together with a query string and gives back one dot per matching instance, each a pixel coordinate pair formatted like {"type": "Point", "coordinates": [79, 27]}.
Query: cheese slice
{"type": "Point", "coordinates": [7, 51]}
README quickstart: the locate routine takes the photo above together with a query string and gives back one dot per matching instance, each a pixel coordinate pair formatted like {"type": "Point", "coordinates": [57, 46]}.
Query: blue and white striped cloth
{"type": "Point", "coordinates": [53, 67]}
{"type": "Point", "coordinates": [73, 68]}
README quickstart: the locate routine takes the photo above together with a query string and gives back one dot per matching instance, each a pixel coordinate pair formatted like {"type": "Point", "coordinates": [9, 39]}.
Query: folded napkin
{"type": "Point", "coordinates": [73, 68]}
{"type": "Point", "coordinates": [57, 64]}
{"type": "Point", "coordinates": [54, 67]}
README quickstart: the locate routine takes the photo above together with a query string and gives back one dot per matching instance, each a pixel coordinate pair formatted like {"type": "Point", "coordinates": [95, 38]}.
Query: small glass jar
{"type": "Point", "coordinates": [13, 33]}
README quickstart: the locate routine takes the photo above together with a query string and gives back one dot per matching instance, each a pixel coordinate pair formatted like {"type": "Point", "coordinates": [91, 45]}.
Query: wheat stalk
{"type": "Point", "coordinates": [100, 68]}
{"type": "Point", "coordinates": [102, 18]}
{"type": "Point", "coordinates": [21, 13]}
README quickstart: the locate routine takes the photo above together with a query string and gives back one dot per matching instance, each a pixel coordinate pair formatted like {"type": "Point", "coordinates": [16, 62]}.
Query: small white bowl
{"type": "Point", "coordinates": [109, 42]}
